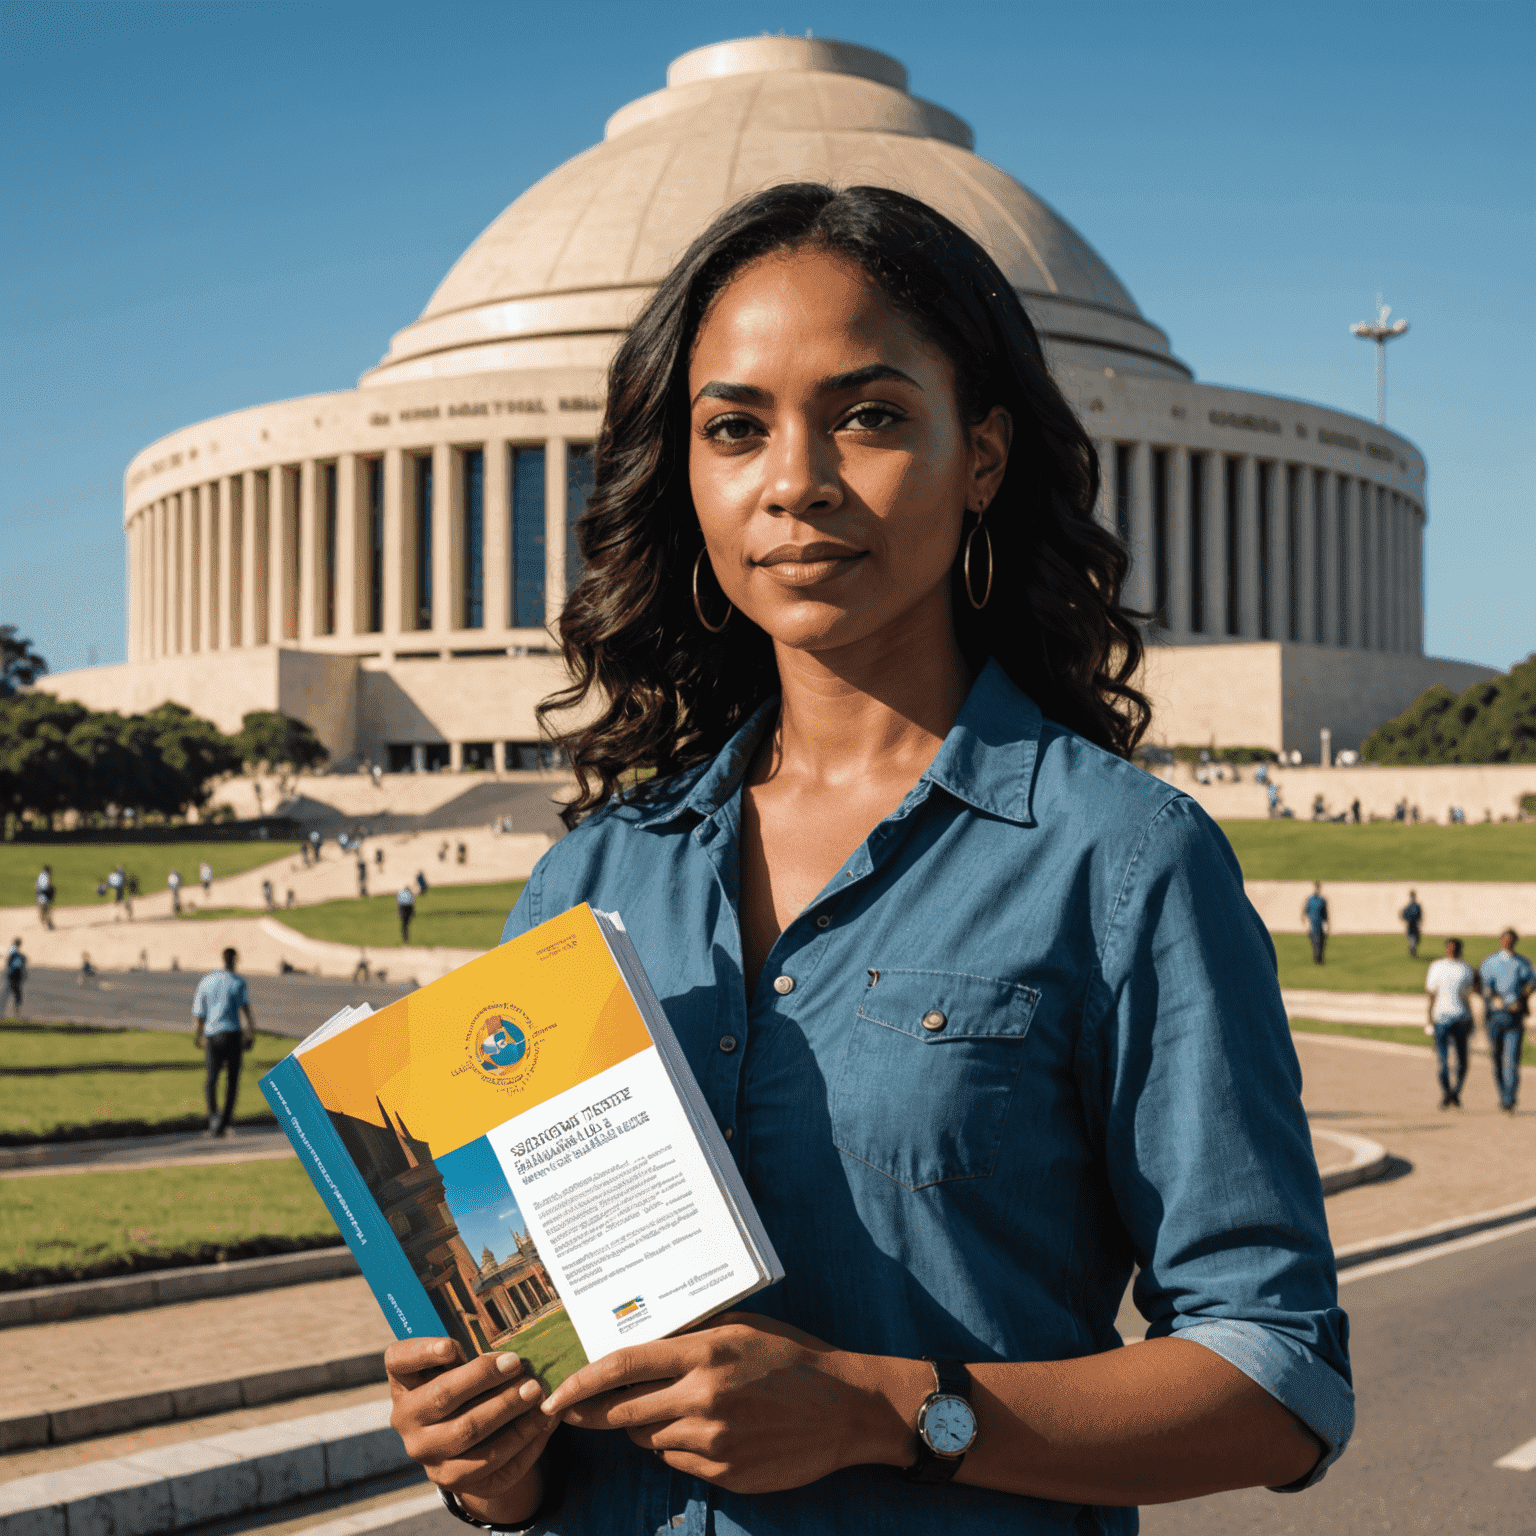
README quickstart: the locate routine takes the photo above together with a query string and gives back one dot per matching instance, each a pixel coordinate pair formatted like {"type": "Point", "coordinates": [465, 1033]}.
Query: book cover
{"type": "Point", "coordinates": [519, 1145]}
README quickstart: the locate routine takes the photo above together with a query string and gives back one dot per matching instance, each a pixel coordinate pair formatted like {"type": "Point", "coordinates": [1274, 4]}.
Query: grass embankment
{"type": "Point", "coordinates": [549, 1348]}
{"type": "Point", "coordinates": [88, 1225]}
{"type": "Point", "coordinates": [454, 916]}
{"type": "Point", "coordinates": [1369, 962]}
{"type": "Point", "coordinates": [70, 1082]}
{"type": "Point", "coordinates": [1405, 1034]}
{"type": "Point", "coordinates": [78, 868]}
{"type": "Point", "coordinates": [1383, 850]}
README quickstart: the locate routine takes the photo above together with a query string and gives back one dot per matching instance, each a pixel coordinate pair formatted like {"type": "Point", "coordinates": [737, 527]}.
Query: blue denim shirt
{"type": "Point", "coordinates": [1114, 1084]}
{"type": "Point", "coordinates": [1504, 975]}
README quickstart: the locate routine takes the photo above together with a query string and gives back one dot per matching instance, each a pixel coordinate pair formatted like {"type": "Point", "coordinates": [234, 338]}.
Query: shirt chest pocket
{"type": "Point", "coordinates": [928, 1073]}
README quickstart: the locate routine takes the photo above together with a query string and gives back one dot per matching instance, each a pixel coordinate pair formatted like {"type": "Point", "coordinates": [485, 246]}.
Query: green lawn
{"type": "Point", "coordinates": [1398, 1034]}
{"type": "Point", "coordinates": [82, 1226]}
{"type": "Point", "coordinates": [549, 1348]}
{"type": "Point", "coordinates": [78, 868]}
{"type": "Point", "coordinates": [1383, 850]}
{"type": "Point", "coordinates": [1369, 962]}
{"type": "Point", "coordinates": [457, 916]}
{"type": "Point", "coordinates": [66, 1082]}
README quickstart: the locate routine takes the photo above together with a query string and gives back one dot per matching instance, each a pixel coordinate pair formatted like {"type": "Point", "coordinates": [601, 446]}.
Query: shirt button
{"type": "Point", "coordinates": [729, 1133]}
{"type": "Point", "coordinates": [727, 1043]}
{"type": "Point", "coordinates": [934, 1020]}
{"type": "Point", "coordinates": [823, 921]}
{"type": "Point", "coordinates": [784, 985]}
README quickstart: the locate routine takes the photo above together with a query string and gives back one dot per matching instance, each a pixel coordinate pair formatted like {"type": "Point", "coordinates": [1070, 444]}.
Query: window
{"type": "Point", "coordinates": [1123, 492]}
{"type": "Point", "coordinates": [1320, 556]}
{"type": "Point", "coordinates": [1341, 492]}
{"type": "Point", "coordinates": [1293, 552]}
{"type": "Point", "coordinates": [1234, 513]}
{"type": "Point", "coordinates": [328, 548]}
{"type": "Point", "coordinates": [527, 542]}
{"type": "Point", "coordinates": [474, 538]}
{"type": "Point", "coordinates": [424, 541]}
{"type": "Point", "coordinates": [578, 488]}
{"type": "Point", "coordinates": [1160, 536]}
{"type": "Point", "coordinates": [480, 754]}
{"type": "Point", "coordinates": [1197, 543]}
{"type": "Point", "coordinates": [529, 755]}
{"type": "Point", "coordinates": [1265, 486]}
{"type": "Point", "coordinates": [376, 546]}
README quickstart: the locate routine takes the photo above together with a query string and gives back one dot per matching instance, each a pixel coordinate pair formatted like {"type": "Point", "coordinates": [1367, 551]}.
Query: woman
{"type": "Point", "coordinates": [980, 1006]}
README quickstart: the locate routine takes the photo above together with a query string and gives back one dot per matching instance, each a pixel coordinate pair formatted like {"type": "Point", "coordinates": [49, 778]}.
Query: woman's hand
{"type": "Point", "coordinates": [472, 1427]}
{"type": "Point", "coordinates": [749, 1403]}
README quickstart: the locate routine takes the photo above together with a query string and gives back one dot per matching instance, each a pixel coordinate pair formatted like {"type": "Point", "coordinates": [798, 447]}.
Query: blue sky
{"type": "Point", "coordinates": [207, 206]}
{"type": "Point", "coordinates": [480, 1198]}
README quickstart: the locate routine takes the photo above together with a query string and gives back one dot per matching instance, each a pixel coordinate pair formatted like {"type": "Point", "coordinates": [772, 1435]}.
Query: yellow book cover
{"type": "Point", "coordinates": [529, 1148]}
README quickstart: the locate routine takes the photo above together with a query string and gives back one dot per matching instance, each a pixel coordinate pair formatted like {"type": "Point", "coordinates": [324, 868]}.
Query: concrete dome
{"type": "Point", "coordinates": [559, 275]}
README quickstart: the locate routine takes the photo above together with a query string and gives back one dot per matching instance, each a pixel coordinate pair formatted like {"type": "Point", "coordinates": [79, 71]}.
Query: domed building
{"type": "Point", "coordinates": [386, 562]}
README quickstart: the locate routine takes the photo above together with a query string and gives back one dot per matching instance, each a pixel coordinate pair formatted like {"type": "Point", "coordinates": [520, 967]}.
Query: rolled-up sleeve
{"type": "Point", "coordinates": [1192, 1076]}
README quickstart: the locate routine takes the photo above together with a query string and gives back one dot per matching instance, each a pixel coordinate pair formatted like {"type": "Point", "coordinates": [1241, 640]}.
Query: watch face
{"type": "Point", "coordinates": [948, 1425]}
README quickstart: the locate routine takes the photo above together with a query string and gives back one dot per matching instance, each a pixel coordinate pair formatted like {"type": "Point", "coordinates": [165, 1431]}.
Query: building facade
{"type": "Point", "coordinates": [386, 562]}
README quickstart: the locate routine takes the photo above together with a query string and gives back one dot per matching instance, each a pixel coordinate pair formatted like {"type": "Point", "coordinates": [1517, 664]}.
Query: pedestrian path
{"type": "Point", "coordinates": [190, 1149]}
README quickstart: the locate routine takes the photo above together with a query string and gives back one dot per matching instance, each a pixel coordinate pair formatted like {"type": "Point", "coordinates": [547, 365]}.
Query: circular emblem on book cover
{"type": "Point", "coordinates": [499, 1043]}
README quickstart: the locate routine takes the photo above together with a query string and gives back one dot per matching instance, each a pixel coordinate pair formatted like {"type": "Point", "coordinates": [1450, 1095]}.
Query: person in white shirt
{"type": "Point", "coordinates": [1450, 983]}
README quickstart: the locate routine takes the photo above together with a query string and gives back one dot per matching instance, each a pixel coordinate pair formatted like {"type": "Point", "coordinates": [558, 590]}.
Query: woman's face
{"type": "Point", "coordinates": [829, 465]}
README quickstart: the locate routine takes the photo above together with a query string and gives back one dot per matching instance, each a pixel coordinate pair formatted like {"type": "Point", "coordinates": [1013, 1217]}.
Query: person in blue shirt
{"type": "Point", "coordinates": [979, 1006]}
{"type": "Point", "coordinates": [1413, 919]}
{"type": "Point", "coordinates": [1508, 980]}
{"type": "Point", "coordinates": [1315, 914]}
{"type": "Point", "coordinates": [15, 976]}
{"type": "Point", "coordinates": [218, 1005]}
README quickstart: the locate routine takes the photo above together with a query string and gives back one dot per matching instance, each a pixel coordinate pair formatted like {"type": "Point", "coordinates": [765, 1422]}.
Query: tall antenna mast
{"type": "Point", "coordinates": [1381, 333]}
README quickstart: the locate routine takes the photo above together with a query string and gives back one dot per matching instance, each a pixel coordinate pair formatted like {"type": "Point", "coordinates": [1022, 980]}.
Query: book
{"type": "Point", "coordinates": [535, 1105]}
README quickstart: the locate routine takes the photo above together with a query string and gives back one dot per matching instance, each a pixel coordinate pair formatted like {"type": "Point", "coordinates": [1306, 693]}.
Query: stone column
{"type": "Point", "coordinates": [554, 531]}
{"type": "Point", "coordinates": [208, 565]}
{"type": "Point", "coordinates": [253, 560]}
{"type": "Point", "coordinates": [447, 540]}
{"type": "Point", "coordinates": [495, 560]}
{"type": "Point", "coordinates": [1417, 577]}
{"type": "Point", "coordinates": [1105, 510]}
{"type": "Point", "coordinates": [351, 596]}
{"type": "Point", "coordinates": [1214, 524]}
{"type": "Point", "coordinates": [455, 756]}
{"type": "Point", "coordinates": [311, 621]}
{"type": "Point", "coordinates": [1365, 564]}
{"type": "Point", "coordinates": [1306, 557]}
{"type": "Point", "coordinates": [1179, 588]}
{"type": "Point", "coordinates": [1249, 563]}
{"type": "Point", "coordinates": [168, 511]}
{"type": "Point", "coordinates": [394, 549]}
{"type": "Point", "coordinates": [1142, 581]}
{"type": "Point", "coordinates": [279, 555]}
{"type": "Point", "coordinates": [224, 555]}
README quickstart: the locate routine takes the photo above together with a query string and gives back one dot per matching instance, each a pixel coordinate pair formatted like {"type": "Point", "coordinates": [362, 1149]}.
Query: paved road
{"type": "Point", "coordinates": [1445, 1370]}
{"type": "Point", "coordinates": [286, 1005]}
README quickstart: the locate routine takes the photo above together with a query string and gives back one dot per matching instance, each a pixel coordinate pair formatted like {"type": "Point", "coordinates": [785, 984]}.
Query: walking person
{"type": "Point", "coordinates": [1316, 914]}
{"type": "Point", "coordinates": [205, 875]}
{"type": "Point", "coordinates": [117, 883]}
{"type": "Point", "coordinates": [45, 896]}
{"type": "Point", "coordinates": [173, 880]}
{"type": "Point", "coordinates": [1413, 917]}
{"type": "Point", "coordinates": [15, 976]}
{"type": "Point", "coordinates": [1450, 984]}
{"type": "Point", "coordinates": [405, 901]}
{"type": "Point", "coordinates": [217, 1008]}
{"type": "Point", "coordinates": [266, 895]}
{"type": "Point", "coordinates": [362, 876]}
{"type": "Point", "coordinates": [1508, 980]}
{"type": "Point", "coordinates": [979, 1005]}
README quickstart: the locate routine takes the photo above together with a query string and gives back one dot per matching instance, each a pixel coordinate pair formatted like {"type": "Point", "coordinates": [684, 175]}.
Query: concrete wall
{"type": "Point", "coordinates": [1488, 789]}
{"type": "Point", "coordinates": [1269, 694]}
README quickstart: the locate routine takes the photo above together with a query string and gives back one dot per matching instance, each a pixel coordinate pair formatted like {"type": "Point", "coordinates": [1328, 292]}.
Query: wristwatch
{"type": "Point", "coordinates": [455, 1507]}
{"type": "Point", "coordinates": [946, 1424]}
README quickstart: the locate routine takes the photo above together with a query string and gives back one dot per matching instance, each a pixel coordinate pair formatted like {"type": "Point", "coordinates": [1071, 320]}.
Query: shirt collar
{"type": "Point", "coordinates": [987, 760]}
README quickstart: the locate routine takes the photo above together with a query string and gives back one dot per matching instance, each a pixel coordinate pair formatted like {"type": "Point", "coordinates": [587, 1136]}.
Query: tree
{"type": "Point", "coordinates": [20, 665]}
{"type": "Point", "coordinates": [193, 749]}
{"type": "Point", "coordinates": [1492, 722]}
{"type": "Point", "coordinates": [269, 736]}
{"type": "Point", "coordinates": [38, 770]}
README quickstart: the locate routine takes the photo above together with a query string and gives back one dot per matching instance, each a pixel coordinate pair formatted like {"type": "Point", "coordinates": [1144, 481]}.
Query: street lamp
{"type": "Point", "coordinates": [1381, 333]}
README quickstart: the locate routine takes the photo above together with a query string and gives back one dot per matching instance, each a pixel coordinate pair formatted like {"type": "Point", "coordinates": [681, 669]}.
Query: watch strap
{"type": "Point", "coordinates": [950, 1379]}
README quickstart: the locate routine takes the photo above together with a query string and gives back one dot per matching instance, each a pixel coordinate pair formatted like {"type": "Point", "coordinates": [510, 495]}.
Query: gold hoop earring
{"type": "Point", "coordinates": [965, 568]}
{"type": "Point", "coordinates": [714, 629]}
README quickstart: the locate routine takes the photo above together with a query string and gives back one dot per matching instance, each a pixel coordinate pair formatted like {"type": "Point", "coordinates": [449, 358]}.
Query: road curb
{"type": "Point", "coordinates": [114, 1415]}
{"type": "Point", "coordinates": [180, 1486]}
{"type": "Point", "coordinates": [1368, 1160]}
{"type": "Point", "coordinates": [1355, 1254]}
{"type": "Point", "coordinates": [156, 1288]}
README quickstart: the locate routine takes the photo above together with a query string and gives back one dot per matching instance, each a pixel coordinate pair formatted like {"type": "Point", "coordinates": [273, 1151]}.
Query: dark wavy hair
{"type": "Point", "coordinates": [662, 693]}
